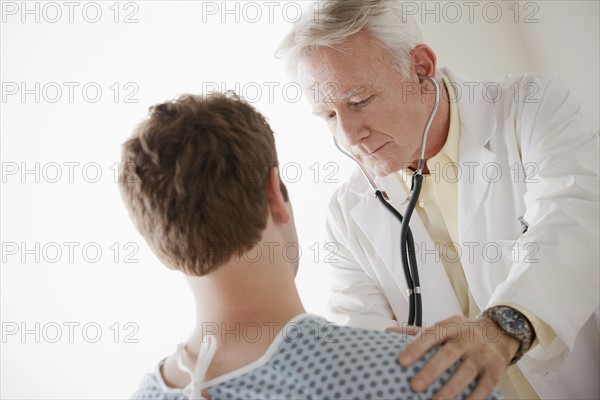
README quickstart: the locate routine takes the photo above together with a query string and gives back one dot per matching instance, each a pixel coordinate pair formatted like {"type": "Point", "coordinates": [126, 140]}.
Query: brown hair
{"type": "Point", "coordinates": [194, 176]}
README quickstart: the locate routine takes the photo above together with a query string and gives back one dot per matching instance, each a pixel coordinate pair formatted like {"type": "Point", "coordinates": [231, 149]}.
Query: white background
{"type": "Point", "coordinates": [169, 48]}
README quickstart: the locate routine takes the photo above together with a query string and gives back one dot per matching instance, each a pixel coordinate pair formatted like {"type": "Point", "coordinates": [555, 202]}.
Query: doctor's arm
{"type": "Point", "coordinates": [560, 287]}
{"type": "Point", "coordinates": [559, 283]}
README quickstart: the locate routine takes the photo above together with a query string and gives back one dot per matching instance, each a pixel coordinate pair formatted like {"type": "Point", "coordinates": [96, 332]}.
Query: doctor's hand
{"type": "Point", "coordinates": [481, 345]}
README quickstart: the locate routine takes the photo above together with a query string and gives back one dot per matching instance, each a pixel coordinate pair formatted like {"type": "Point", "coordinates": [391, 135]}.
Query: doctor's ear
{"type": "Point", "coordinates": [424, 60]}
{"type": "Point", "coordinates": [277, 197]}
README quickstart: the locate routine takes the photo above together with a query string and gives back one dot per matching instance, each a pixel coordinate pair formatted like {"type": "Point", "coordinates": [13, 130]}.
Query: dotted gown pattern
{"type": "Point", "coordinates": [319, 360]}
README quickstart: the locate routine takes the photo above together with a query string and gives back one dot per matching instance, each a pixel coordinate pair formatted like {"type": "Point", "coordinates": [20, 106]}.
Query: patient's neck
{"type": "Point", "coordinates": [245, 301]}
{"type": "Point", "coordinates": [242, 291]}
{"type": "Point", "coordinates": [244, 305]}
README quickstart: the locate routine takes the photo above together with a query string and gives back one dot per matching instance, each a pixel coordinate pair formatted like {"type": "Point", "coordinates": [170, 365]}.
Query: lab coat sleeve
{"type": "Point", "coordinates": [355, 299]}
{"type": "Point", "coordinates": [556, 277]}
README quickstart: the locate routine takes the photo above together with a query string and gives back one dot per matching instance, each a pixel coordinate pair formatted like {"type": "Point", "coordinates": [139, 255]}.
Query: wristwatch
{"type": "Point", "coordinates": [515, 325]}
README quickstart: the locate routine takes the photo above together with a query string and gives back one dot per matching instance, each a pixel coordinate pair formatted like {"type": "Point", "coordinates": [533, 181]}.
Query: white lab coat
{"type": "Point", "coordinates": [525, 150]}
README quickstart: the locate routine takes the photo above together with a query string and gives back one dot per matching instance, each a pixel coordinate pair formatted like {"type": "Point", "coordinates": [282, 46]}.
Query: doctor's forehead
{"type": "Point", "coordinates": [359, 55]}
{"type": "Point", "coordinates": [338, 81]}
{"type": "Point", "coordinates": [331, 66]}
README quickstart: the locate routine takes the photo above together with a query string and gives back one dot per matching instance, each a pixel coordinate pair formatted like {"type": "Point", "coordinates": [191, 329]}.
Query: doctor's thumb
{"type": "Point", "coordinates": [407, 330]}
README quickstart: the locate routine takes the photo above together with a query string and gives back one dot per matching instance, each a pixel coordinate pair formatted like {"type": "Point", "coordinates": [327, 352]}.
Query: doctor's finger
{"type": "Point", "coordinates": [446, 356]}
{"type": "Point", "coordinates": [488, 379]}
{"type": "Point", "coordinates": [409, 330]}
{"type": "Point", "coordinates": [460, 379]}
{"type": "Point", "coordinates": [424, 342]}
{"type": "Point", "coordinates": [484, 387]}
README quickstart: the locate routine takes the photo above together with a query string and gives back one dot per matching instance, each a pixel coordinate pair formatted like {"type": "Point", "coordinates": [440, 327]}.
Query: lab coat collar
{"type": "Point", "coordinates": [475, 106]}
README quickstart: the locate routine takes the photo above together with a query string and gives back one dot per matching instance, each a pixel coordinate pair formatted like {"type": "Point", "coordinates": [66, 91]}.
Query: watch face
{"type": "Point", "coordinates": [512, 322]}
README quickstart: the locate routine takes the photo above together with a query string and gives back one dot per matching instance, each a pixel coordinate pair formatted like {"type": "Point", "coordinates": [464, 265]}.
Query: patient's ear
{"type": "Point", "coordinates": [277, 204]}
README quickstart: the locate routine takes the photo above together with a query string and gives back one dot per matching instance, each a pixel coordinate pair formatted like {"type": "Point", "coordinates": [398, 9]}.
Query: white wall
{"type": "Point", "coordinates": [173, 48]}
{"type": "Point", "coordinates": [555, 37]}
{"type": "Point", "coordinates": [565, 42]}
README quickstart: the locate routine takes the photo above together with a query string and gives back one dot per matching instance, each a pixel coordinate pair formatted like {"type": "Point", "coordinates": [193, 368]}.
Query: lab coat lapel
{"type": "Point", "coordinates": [477, 128]}
{"type": "Point", "coordinates": [383, 231]}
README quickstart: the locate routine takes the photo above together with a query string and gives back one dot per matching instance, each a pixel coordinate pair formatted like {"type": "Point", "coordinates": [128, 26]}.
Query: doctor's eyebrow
{"type": "Point", "coordinates": [353, 92]}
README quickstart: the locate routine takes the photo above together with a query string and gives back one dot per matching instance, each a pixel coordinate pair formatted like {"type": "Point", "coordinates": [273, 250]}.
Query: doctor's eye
{"type": "Point", "coordinates": [330, 116]}
{"type": "Point", "coordinates": [361, 102]}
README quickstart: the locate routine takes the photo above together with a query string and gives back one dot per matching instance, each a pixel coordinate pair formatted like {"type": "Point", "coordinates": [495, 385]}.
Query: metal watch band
{"type": "Point", "coordinates": [525, 335]}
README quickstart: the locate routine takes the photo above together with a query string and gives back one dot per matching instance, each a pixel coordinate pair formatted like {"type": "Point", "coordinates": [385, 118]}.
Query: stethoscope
{"type": "Point", "coordinates": [407, 244]}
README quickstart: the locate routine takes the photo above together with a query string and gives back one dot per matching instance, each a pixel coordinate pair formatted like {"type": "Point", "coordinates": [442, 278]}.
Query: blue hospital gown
{"type": "Point", "coordinates": [312, 358]}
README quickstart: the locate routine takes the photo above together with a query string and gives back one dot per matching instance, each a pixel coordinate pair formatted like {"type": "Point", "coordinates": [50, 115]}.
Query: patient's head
{"type": "Point", "coordinates": [194, 178]}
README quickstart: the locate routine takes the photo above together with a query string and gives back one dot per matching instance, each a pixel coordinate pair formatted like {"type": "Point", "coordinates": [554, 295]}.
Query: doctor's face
{"type": "Point", "coordinates": [369, 107]}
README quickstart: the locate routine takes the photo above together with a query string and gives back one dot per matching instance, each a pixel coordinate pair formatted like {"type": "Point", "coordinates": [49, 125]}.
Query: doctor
{"type": "Point", "coordinates": [506, 229]}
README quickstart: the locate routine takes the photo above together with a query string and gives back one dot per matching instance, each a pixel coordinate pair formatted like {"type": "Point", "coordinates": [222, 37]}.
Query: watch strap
{"type": "Point", "coordinates": [505, 317]}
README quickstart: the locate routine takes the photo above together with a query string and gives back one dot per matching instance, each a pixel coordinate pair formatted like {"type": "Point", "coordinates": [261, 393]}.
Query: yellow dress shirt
{"type": "Point", "coordinates": [438, 209]}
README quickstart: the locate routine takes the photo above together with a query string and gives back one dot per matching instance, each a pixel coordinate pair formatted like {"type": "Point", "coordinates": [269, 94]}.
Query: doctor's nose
{"type": "Point", "coordinates": [350, 129]}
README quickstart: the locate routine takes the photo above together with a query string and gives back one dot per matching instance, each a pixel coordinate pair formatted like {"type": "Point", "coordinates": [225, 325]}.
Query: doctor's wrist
{"type": "Point", "coordinates": [513, 325]}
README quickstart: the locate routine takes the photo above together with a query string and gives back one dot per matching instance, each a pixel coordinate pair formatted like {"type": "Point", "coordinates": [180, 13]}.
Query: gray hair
{"type": "Point", "coordinates": [335, 20]}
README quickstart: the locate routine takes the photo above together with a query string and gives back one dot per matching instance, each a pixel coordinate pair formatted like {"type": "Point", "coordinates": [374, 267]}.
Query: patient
{"type": "Point", "coordinates": [200, 179]}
